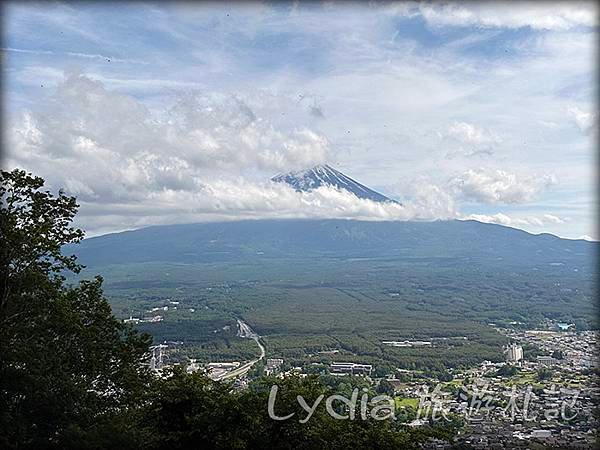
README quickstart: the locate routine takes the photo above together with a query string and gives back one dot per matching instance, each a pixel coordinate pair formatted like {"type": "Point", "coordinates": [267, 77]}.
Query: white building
{"type": "Point", "coordinates": [273, 364]}
{"type": "Point", "coordinates": [546, 360]}
{"type": "Point", "coordinates": [157, 358]}
{"type": "Point", "coordinates": [351, 368]}
{"type": "Point", "coordinates": [514, 352]}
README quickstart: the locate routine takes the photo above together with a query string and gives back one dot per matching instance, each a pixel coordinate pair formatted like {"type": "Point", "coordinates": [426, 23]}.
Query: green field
{"type": "Point", "coordinates": [402, 402]}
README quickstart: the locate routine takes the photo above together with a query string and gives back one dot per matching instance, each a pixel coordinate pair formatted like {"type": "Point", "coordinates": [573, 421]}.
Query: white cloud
{"type": "Point", "coordinates": [382, 97]}
{"type": "Point", "coordinates": [237, 199]}
{"type": "Point", "coordinates": [472, 139]}
{"type": "Point", "coordinates": [75, 55]}
{"type": "Point", "coordinates": [537, 15]}
{"type": "Point", "coordinates": [552, 219]}
{"type": "Point", "coordinates": [585, 121]}
{"type": "Point", "coordinates": [122, 149]}
{"type": "Point", "coordinates": [486, 185]}
{"type": "Point", "coordinates": [426, 198]}
{"type": "Point", "coordinates": [186, 162]}
{"type": "Point", "coordinates": [138, 168]}
{"type": "Point", "coordinates": [516, 221]}
{"type": "Point", "coordinates": [471, 134]}
{"type": "Point", "coordinates": [243, 199]}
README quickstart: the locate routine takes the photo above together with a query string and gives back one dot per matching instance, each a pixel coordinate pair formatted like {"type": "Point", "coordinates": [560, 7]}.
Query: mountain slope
{"type": "Point", "coordinates": [469, 241]}
{"type": "Point", "coordinates": [324, 175]}
{"type": "Point", "coordinates": [314, 279]}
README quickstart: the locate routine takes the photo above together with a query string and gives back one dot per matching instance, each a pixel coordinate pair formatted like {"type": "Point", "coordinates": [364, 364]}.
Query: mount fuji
{"type": "Point", "coordinates": [325, 175]}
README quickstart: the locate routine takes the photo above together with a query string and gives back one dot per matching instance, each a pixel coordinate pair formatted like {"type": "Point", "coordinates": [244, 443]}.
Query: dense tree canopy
{"type": "Point", "coordinates": [192, 411]}
{"type": "Point", "coordinates": [64, 358]}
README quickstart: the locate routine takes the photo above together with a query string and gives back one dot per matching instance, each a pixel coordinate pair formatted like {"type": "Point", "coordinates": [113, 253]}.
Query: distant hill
{"type": "Point", "coordinates": [469, 241]}
{"type": "Point", "coordinates": [324, 175]}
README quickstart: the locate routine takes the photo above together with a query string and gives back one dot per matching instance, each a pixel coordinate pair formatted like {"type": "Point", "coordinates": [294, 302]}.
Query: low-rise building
{"type": "Point", "coordinates": [351, 368]}
{"type": "Point", "coordinates": [273, 364]}
{"type": "Point", "coordinates": [546, 360]}
{"type": "Point", "coordinates": [222, 365]}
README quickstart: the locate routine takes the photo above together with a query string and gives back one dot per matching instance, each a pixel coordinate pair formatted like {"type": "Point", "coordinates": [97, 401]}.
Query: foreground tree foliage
{"type": "Point", "coordinates": [73, 376]}
{"type": "Point", "coordinates": [192, 411]}
{"type": "Point", "coordinates": [64, 358]}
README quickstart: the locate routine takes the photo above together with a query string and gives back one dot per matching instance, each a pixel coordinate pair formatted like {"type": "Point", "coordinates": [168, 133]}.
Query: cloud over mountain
{"type": "Point", "coordinates": [119, 158]}
{"type": "Point", "coordinates": [83, 123]}
{"type": "Point", "coordinates": [487, 185]}
{"type": "Point", "coordinates": [204, 157]}
{"type": "Point", "coordinates": [120, 149]}
{"type": "Point", "coordinates": [409, 98]}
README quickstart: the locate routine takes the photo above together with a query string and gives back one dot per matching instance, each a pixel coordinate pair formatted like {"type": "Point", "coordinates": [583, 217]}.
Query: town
{"type": "Point", "coordinates": [545, 395]}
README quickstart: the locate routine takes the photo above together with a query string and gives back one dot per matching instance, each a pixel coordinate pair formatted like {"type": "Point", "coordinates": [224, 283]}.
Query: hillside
{"type": "Point", "coordinates": [264, 239]}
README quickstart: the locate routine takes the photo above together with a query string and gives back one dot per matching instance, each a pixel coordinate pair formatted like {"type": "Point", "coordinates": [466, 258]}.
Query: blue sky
{"type": "Point", "coordinates": [182, 112]}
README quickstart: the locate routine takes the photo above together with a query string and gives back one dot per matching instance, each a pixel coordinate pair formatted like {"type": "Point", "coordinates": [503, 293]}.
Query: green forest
{"type": "Point", "coordinates": [302, 307]}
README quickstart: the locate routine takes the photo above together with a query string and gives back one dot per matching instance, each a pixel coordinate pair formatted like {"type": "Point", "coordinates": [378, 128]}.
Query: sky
{"type": "Point", "coordinates": [182, 112]}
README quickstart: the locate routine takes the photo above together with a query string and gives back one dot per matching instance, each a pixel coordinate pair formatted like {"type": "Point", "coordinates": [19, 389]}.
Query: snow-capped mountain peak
{"type": "Point", "coordinates": [325, 175]}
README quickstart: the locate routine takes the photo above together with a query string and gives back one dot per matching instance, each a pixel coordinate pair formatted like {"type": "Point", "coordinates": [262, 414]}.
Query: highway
{"type": "Point", "coordinates": [244, 331]}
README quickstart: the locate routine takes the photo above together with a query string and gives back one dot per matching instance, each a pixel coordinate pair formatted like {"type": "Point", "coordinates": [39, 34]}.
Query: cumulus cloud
{"type": "Point", "coordinates": [134, 167]}
{"type": "Point", "coordinates": [536, 15]}
{"type": "Point", "coordinates": [585, 121]}
{"type": "Point", "coordinates": [499, 186]}
{"type": "Point", "coordinates": [131, 167]}
{"type": "Point", "coordinates": [122, 150]}
{"type": "Point", "coordinates": [472, 139]}
{"type": "Point", "coordinates": [243, 199]}
{"type": "Point", "coordinates": [426, 198]}
{"type": "Point", "coordinates": [382, 96]}
{"type": "Point", "coordinates": [471, 134]}
{"type": "Point", "coordinates": [238, 199]}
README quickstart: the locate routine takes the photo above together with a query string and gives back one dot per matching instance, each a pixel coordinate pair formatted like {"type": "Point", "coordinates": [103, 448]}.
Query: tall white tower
{"type": "Point", "coordinates": [156, 361]}
{"type": "Point", "coordinates": [514, 352]}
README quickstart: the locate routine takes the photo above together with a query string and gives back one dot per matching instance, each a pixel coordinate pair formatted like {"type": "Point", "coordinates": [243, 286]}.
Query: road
{"type": "Point", "coordinates": [244, 331]}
